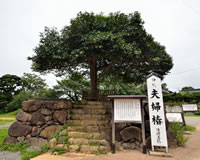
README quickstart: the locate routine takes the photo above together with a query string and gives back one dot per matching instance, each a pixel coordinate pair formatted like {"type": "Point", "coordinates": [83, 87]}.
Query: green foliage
{"type": "Point", "coordinates": [197, 112]}
{"type": "Point", "coordinates": [10, 114]}
{"type": "Point", "coordinates": [33, 83]}
{"type": "Point", "coordinates": [26, 155]}
{"type": "Point", "coordinates": [65, 142]}
{"type": "Point", "coordinates": [178, 129]}
{"type": "Point", "coordinates": [33, 86]}
{"type": "Point", "coordinates": [17, 100]}
{"type": "Point", "coordinates": [191, 115]}
{"type": "Point", "coordinates": [21, 146]}
{"type": "Point", "coordinates": [58, 150]}
{"type": "Point", "coordinates": [182, 98]}
{"type": "Point", "coordinates": [187, 88]}
{"type": "Point", "coordinates": [96, 44]}
{"type": "Point", "coordinates": [5, 121]}
{"type": "Point", "coordinates": [72, 86]}
{"type": "Point", "coordinates": [79, 148]}
{"type": "Point", "coordinates": [10, 85]}
{"type": "Point", "coordinates": [3, 135]}
{"type": "Point", "coordinates": [117, 84]}
{"type": "Point", "coordinates": [190, 128]}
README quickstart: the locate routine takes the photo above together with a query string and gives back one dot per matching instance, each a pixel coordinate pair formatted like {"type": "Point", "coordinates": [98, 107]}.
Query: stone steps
{"type": "Point", "coordinates": [84, 135]}
{"type": "Point", "coordinates": [98, 103]}
{"type": "Point", "coordinates": [88, 149]}
{"type": "Point", "coordinates": [94, 111]}
{"type": "Point", "coordinates": [86, 123]}
{"type": "Point", "coordinates": [90, 106]}
{"type": "Point", "coordinates": [83, 141]}
{"type": "Point", "coordinates": [89, 117]}
{"type": "Point", "coordinates": [87, 128]}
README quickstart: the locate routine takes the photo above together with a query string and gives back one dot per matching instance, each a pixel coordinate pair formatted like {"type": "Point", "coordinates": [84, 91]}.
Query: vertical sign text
{"type": "Point", "coordinates": [156, 112]}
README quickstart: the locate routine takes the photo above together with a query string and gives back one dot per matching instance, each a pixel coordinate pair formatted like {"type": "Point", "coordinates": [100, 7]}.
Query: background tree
{"type": "Point", "coordinates": [10, 85]}
{"type": "Point", "coordinates": [32, 86]}
{"type": "Point", "coordinates": [99, 45]}
{"type": "Point", "coordinates": [72, 86]}
{"type": "Point", "coordinates": [118, 85]}
{"type": "Point", "coordinates": [33, 83]}
{"type": "Point", "coordinates": [187, 88]}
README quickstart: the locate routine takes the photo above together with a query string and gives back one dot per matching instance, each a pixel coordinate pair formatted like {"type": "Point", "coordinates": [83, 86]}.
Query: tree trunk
{"type": "Point", "coordinates": [93, 77]}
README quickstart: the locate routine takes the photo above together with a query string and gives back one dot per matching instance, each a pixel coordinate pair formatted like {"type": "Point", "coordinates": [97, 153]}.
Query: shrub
{"type": "Point", "coordinates": [178, 129]}
{"type": "Point", "coordinates": [189, 128]}
{"type": "Point", "coordinates": [185, 97]}
{"type": "Point", "coordinates": [17, 100]}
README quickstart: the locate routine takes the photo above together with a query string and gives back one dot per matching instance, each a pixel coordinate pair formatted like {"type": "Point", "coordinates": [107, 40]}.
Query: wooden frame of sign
{"type": "Point", "coordinates": [125, 109]}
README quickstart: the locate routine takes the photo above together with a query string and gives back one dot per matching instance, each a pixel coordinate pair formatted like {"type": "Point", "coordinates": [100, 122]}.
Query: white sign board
{"type": "Point", "coordinates": [189, 107]}
{"type": "Point", "coordinates": [127, 110]}
{"type": "Point", "coordinates": [156, 112]}
{"type": "Point", "coordinates": [174, 117]}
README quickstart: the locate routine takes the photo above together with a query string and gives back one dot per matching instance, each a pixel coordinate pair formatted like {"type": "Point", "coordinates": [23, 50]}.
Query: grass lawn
{"type": "Point", "coordinates": [8, 117]}
{"type": "Point", "coordinates": [10, 114]}
{"type": "Point", "coordinates": [5, 121]}
{"type": "Point", "coordinates": [191, 115]}
{"type": "Point", "coordinates": [3, 134]}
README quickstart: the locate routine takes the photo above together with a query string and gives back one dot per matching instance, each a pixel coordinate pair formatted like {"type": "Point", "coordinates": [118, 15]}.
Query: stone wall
{"type": "Point", "coordinates": [39, 120]}
{"type": "Point", "coordinates": [44, 118]}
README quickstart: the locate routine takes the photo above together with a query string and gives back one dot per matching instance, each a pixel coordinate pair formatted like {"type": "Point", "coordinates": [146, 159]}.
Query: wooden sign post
{"type": "Point", "coordinates": [126, 109]}
{"type": "Point", "coordinates": [156, 112]}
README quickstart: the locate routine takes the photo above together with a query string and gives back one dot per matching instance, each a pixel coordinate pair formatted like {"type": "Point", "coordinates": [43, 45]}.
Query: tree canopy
{"type": "Point", "coordinates": [33, 83]}
{"type": "Point", "coordinates": [187, 88]}
{"type": "Point", "coordinates": [98, 45]}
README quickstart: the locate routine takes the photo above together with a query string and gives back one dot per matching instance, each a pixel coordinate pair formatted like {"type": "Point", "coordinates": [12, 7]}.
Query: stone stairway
{"type": "Point", "coordinates": [88, 128]}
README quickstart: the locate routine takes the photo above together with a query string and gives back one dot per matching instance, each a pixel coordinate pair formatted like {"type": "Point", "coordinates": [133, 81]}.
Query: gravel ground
{"type": "Point", "coordinates": [193, 121]}
{"type": "Point", "coordinates": [6, 155]}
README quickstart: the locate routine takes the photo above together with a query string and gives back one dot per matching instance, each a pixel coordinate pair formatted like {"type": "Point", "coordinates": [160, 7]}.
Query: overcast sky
{"type": "Point", "coordinates": [173, 23]}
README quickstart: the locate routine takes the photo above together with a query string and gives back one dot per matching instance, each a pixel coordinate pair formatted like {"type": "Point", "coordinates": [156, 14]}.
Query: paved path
{"type": "Point", "coordinates": [191, 150]}
{"type": "Point", "coordinates": [7, 125]}
{"type": "Point", "coordinates": [193, 121]}
{"type": "Point", "coordinates": [6, 155]}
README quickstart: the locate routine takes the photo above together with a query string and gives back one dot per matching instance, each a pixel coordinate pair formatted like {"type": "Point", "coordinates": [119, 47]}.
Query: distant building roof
{"type": "Point", "coordinates": [192, 91]}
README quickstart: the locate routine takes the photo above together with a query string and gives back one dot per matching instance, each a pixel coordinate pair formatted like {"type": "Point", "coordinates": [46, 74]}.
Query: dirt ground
{"type": "Point", "coordinates": [191, 151]}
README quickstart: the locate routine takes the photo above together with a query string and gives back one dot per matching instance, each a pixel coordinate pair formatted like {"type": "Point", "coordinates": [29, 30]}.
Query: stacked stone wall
{"type": "Point", "coordinates": [39, 120]}
{"type": "Point", "coordinates": [42, 119]}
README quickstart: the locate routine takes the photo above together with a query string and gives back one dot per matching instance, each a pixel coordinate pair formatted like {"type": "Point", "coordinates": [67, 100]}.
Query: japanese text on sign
{"type": "Point", "coordinates": [127, 110]}
{"type": "Point", "coordinates": [156, 112]}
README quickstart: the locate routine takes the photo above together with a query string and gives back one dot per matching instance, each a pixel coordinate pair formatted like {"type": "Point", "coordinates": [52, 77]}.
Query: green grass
{"type": "Point", "coordinates": [191, 115]}
{"type": "Point", "coordinates": [22, 148]}
{"type": "Point", "coordinates": [3, 134]}
{"type": "Point", "coordinates": [190, 128]}
{"type": "Point", "coordinates": [5, 121]}
{"type": "Point", "coordinates": [10, 114]}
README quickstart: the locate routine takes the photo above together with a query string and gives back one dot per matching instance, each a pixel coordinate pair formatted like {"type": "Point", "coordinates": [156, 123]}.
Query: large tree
{"type": "Point", "coordinates": [100, 45]}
